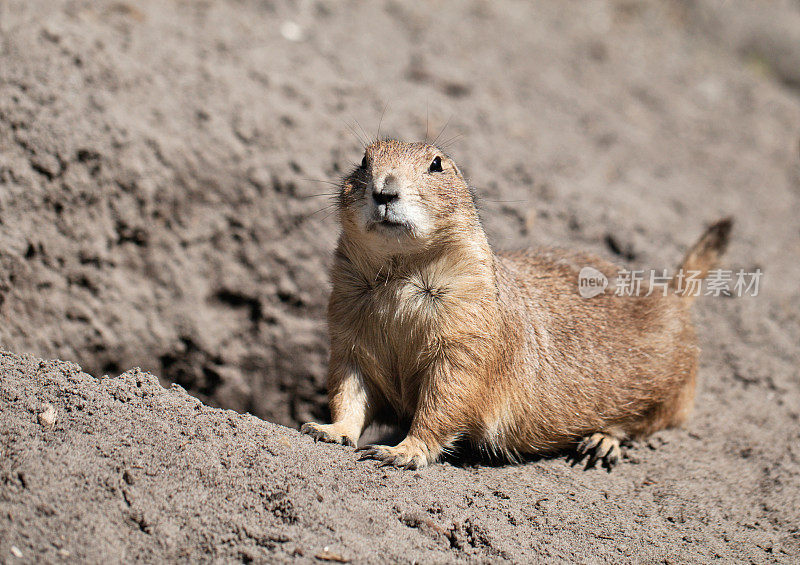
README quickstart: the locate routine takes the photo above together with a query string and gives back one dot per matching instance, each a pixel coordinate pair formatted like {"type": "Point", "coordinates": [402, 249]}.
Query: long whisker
{"type": "Point", "coordinates": [378, 136]}
{"type": "Point", "coordinates": [363, 132]}
{"type": "Point", "coordinates": [427, 119]}
{"type": "Point", "coordinates": [450, 140]}
{"type": "Point", "coordinates": [505, 201]}
{"type": "Point", "coordinates": [444, 127]}
{"type": "Point", "coordinates": [326, 216]}
{"type": "Point", "coordinates": [320, 195]}
{"type": "Point", "coordinates": [355, 134]}
{"type": "Point", "coordinates": [329, 194]}
{"type": "Point", "coordinates": [326, 181]}
{"type": "Point", "coordinates": [359, 181]}
{"type": "Point", "coordinates": [480, 191]}
{"type": "Point", "coordinates": [323, 209]}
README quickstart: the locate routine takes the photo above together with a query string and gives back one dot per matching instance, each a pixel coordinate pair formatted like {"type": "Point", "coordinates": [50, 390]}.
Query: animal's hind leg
{"type": "Point", "coordinates": [671, 413]}
{"type": "Point", "coordinates": [684, 403]}
{"type": "Point", "coordinates": [599, 446]}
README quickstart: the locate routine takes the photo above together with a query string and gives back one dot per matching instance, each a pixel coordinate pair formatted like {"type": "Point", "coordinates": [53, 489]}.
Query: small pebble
{"type": "Point", "coordinates": [47, 417]}
{"type": "Point", "coordinates": [291, 31]}
{"type": "Point", "coordinates": [16, 552]}
{"type": "Point", "coordinates": [327, 555]}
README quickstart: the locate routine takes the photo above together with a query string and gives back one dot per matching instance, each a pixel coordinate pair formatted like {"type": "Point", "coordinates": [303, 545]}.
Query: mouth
{"type": "Point", "coordinates": [389, 225]}
{"type": "Point", "coordinates": [392, 223]}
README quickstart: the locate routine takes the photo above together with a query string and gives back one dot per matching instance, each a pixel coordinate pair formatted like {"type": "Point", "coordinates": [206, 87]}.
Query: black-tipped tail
{"type": "Point", "coordinates": [706, 253]}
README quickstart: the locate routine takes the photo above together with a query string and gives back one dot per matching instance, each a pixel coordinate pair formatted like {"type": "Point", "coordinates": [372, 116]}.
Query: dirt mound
{"type": "Point", "coordinates": [159, 219]}
{"type": "Point", "coordinates": [164, 171]}
{"type": "Point", "coordinates": [130, 471]}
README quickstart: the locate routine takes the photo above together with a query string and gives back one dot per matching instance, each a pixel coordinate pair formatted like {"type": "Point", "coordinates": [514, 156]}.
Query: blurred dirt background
{"type": "Point", "coordinates": [165, 181]}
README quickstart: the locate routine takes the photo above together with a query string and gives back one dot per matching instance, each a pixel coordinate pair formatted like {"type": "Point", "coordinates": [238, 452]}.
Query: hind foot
{"type": "Point", "coordinates": [410, 453]}
{"type": "Point", "coordinates": [598, 447]}
{"type": "Point", "coordinates": [329, 433]}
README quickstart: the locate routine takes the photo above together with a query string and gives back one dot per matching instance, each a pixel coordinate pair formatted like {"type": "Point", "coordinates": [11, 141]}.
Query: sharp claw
{"type": "Point", "coordinates": [388, 456]}
{"type": "Point", "coordinates": [598, 447]}
{"type": "Point", "coordinates": [613, 457]}
{"type": "Point", "coordinates": [603, 449]}
{"type": "Point", "coordinates": [369, 451]}
{"type": "Point", "coordinates": [594, 441]}
{"type": "Point", "coordinates": [575, 457]}
{"type": "Point", "coordinates": [312, 430]}
{"type": "Point", "coordinates": [411, 465]}
{"type": "Point", "coordinates": [588, 443]}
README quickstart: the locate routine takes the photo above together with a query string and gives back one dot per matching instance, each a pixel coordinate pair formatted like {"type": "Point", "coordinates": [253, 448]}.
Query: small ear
{"type": "Point", "coordinates": [455, 168]}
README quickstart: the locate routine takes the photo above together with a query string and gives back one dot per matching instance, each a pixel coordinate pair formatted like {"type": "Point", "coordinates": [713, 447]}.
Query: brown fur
{"type": "Point", "coordinates": [500, 349]}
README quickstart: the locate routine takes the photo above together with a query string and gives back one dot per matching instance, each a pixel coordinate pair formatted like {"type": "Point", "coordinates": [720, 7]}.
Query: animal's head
{"type": "Point", "coordinates": [403, 197]}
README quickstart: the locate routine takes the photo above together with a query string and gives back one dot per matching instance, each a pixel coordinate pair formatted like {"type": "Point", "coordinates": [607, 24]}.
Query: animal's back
{"type": "Point", "coordinates": [593, 363]}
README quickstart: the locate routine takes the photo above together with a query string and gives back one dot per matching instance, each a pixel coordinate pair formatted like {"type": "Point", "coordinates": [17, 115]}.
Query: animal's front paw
{"type": "Point", "coordinates": [408, 454]}
{"type": "Point", "coordinates": [598, 446]}
{"type": "Point", "coordinates": [329, 433]}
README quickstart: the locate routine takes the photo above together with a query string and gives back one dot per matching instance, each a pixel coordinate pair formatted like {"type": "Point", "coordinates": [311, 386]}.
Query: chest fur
{"type": "Point", "coordinates": [391, 317]}
{"type": "Point", "coordinates": [393, 324]}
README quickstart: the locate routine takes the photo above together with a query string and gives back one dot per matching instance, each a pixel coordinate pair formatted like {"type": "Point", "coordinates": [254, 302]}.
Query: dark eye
{"type": "Point", "coordinates": [436, 165]}
{"type": "Point", "coordinates": [364, 162]}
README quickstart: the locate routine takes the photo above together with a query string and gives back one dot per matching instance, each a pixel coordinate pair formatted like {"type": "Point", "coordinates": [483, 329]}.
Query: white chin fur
{"type": "Point", "coordinates": [401, 223]}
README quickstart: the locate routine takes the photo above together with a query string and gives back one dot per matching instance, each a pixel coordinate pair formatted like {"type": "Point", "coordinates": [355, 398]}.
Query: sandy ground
{"type": "Point", "coordinates": [131, 471]}
{"type": "Point", "coordinates": [164, 183]}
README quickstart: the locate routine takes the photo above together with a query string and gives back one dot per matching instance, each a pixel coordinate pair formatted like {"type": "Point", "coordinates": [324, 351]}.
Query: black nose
{"type": "Point", "coordinates": [385, 196]}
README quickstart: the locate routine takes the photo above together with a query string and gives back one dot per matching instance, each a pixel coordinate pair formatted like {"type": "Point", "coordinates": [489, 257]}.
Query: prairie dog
{"type": "Point", "coordinates": [431, 328]}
